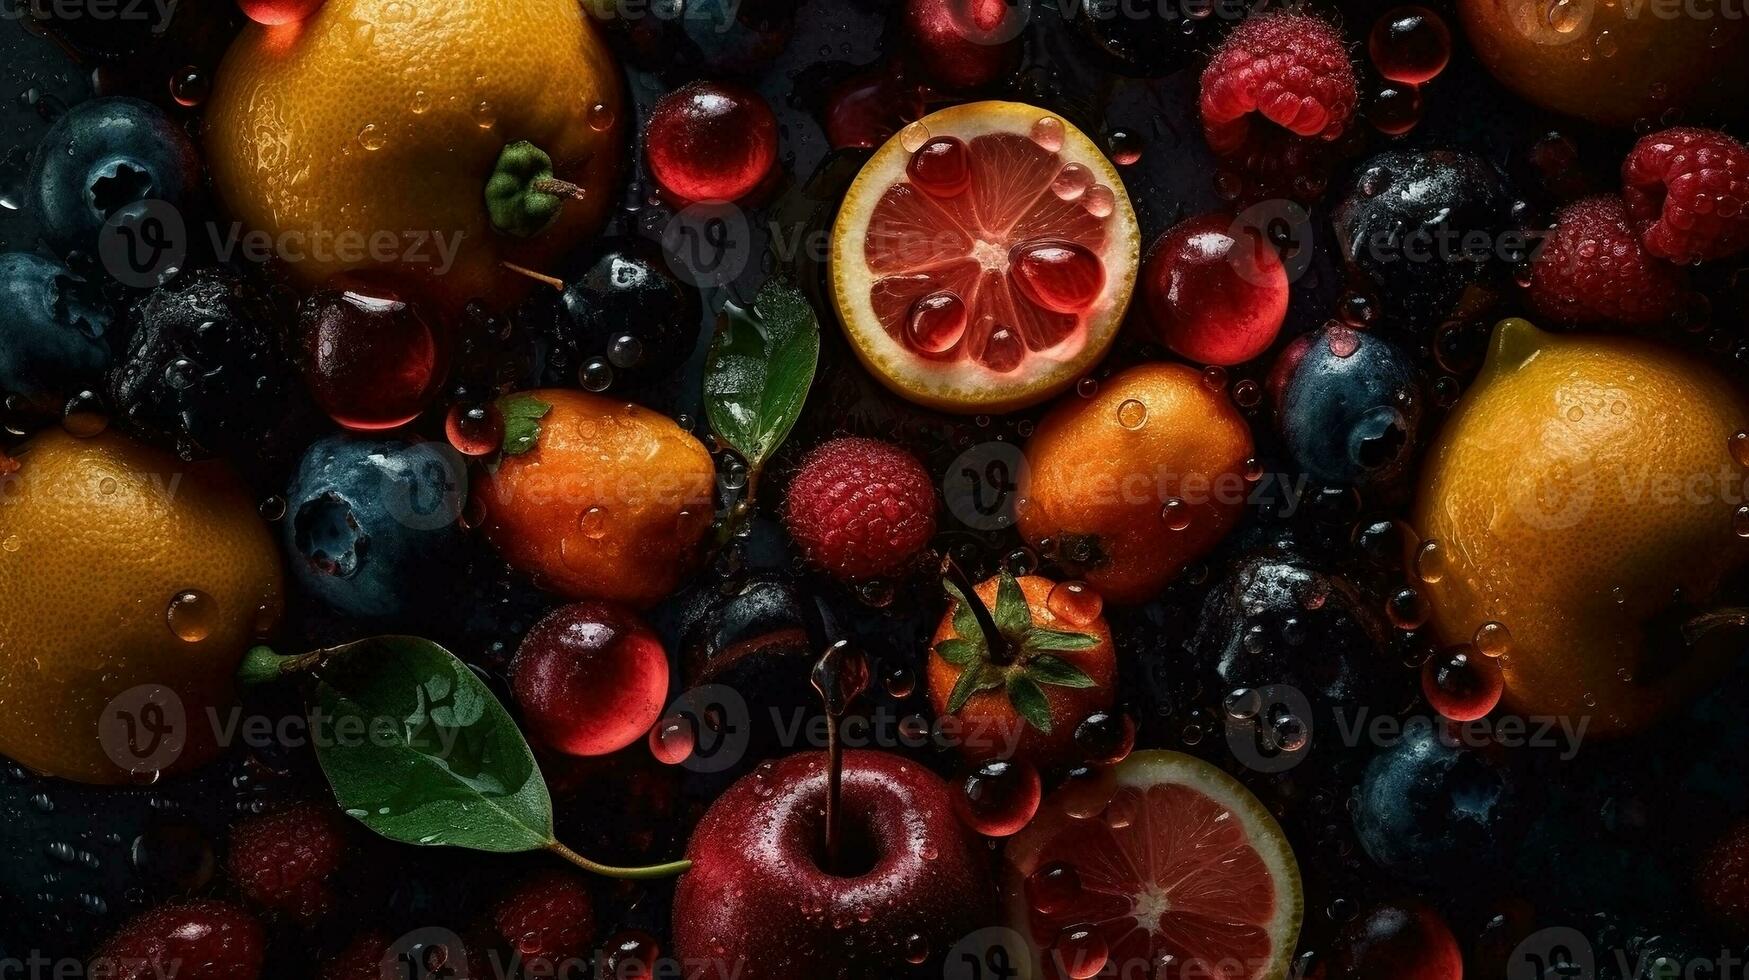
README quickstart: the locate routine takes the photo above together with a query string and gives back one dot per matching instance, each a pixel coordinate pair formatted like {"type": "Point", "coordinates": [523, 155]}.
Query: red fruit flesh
{"type": "Point", "coordinates": [591, 678]}
{"type": "Point", "coordinates": [710, 141]}
{"type": "Point", "coordinates": [201, 940]}
{"type": "Point", "coordinates": [860, 507]}
{"type": "Point", "coordinates": [1216, 293]}
{"type": "Point", "coordinates": [285, 861]}
{"type": "Point", "coordinates": [1018, 246]}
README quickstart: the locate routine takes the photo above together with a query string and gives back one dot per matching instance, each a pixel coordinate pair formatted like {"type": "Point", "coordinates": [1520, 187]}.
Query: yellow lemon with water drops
{"type": "Point", "coordinates": [1578, 510]}
{"type": "Point", "coordinates": [131, 583]}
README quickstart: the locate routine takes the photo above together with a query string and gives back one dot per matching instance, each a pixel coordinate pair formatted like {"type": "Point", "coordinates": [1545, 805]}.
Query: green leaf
{"type": "Point", "coordinates": [759, 370]}
{"type": "Point", "coordinates": [960, 653]}
{"type": "Point", "coordinates": [1046, 669]}
{"type": "Point", "coordinates": [972, 680]}
{"type": "Point", "coordinates": [1012, 616]}
{"type": "Point", "coordinates": [1030, 702]}
{"type": "Point", "coordinates": [522, 414]}
{"type": "Point", "coordinates": [965, 622]}
{"type": "Point", "coordinates": [419, 750]}
{"type": "Point", "coordinates": [1038, 638]}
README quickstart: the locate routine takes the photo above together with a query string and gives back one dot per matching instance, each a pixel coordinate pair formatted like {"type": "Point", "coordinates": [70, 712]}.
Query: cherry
{"type": "Point", "coordinates": [998, 798]}
{"type": "Point", "coordinates": [942, 167]}
{"type": "Point", "coordinates": [591, 678]}
{"type": "Point", "coordinates": [1063, 277]}
{"type": "Point", "coordinates": [710, 141]}
{"type": "Point", "coordinates": [275, 12]}
{"type": "Point", "coordinates": [372, 360]}
{"type": "Point", "coordinates": [1461, 684]}
{"type": "Point", "coordinates": [870, 107]}
{"type": "Point", "coordinates": [965, 43]}
{"type": "Point", "coordinates": [1410, 45]}
{"type": "Point", "coordinates": [1216, 292]}
{"type": "Point", "coordinates": [1105, 737]}
{"type": "Point", "coordinates": [474, 430]}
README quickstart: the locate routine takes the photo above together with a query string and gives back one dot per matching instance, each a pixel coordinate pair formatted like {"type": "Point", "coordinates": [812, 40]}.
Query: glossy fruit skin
{"type": "Point", "coordinates": [54, 339]}
{"type": "Point", "coordinates": [710, 141]}
{"type": "Point", "coordinates": [198, 940]}
{"type": "Point", "coordinates": [103, 155]}
{"type": "Point", "coordinates": [654, 491]}
{"type": "Point", "coordinates": [860, 508]}
{"type": "Point", "coordinates": [286, 861]}
{"type": "Point", "coordinates": [371, 358]}
{"type": "Point", "coordinates": [1544, 464]}
{"type": "Point", "coordinates": [103, 547]}
{"type": "Point", "coordinates": [964, 44]}
{"type": "Point", "coordinates": [1404, 223]}
{"type": "Point", "coordinates": [548, 921]}
{"type": "Point", "coordinates": [991, 727]}
{"type": "Point", "coordinates": [591, 678]}
{"type": "Point", "coordinates": [748, 902]}
{"type": "Point", "coordinates": [1405, 939]}
{"type": "Point", "coordinates": [1657, 63]}
{"type": "Point", "coordinates": [373, 527]}
{"type": "Point", "coordinates": [206, 370]}
{"type": "Point", "coordinates": [1354, 418]}
{"type": "Point", "coordinates": [1091, 479]}
{"type": "Point", "coordinates": [625, 289]}
{"type": "Point", "coordinates": [1429, 808]}
{"type": "Point", "coordinates": [1216, 293]}
{"type": "Point", "coordinates": [285, 105]}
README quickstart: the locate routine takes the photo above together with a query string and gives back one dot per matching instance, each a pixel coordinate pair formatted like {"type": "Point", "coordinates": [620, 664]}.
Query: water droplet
{"type": "Point", "coordinates": [913, 136]}
{"type": "Point", "coordinates": [1132, 414]}
{"type": "Point", "coordinates": [1047, 132]}
{"type": "Point", "coordinates": [1072, 182]}
{"type": "Point", "coordinates": [1430, 562]}
{"type": "Point", "coordinates": [191, 614]}
{"type": "Point", "coordinates": [601, 117]}
{"type": "Point", "coordinates": [1492, 639]}
{"type": "Point", "coordinates": [1075, 603]}
{"type": "Point", "coordinates": [372, 138]}
{"type": "Point", "coordinates": [936, 323]}
{"type": "Point", "coordinates": [1176, 514]}
{"type": "Point", "coordinates": [594, 523]}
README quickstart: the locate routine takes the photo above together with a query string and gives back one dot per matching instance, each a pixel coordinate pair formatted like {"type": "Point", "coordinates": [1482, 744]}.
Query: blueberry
{"type": "Point", "coordinates": [1422, 226]}
{"type": "Point", "coordinates": [52, 341]}
{"type": "Point", "coordinates": [1430, 808]}
{"type": "Point", "coordinates": [373, 526]}
{"type": "Point", "coordinates": [1349, 404]}
{"type": "Point", "coordinates": [624, 309]}
{"type": "Point", "coordinates": [206, 371]}
{"type": "Point", "coordinates": [103, 156]}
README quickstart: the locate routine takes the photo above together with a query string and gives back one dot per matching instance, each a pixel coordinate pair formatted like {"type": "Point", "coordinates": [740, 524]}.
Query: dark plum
{"type": "Point", "coordinates": [373, 359]}
{"type": "Point", "coordinates": [103, 156]}
{"type": "Point", "coordinates": [53, 341]}
{"type": "Point", "coordinates": [591, 678]}
{"type": "Point", "coordinates": [206, 370]}
{"type": "Point", "coordinates": [625, 309]}
{"type": "Point", "coordinates": [372, 527]}
{"type": "Point", "coordinates": [1422, 226]}
{"type": "Point", "coordinates": [1431, 808]}
{"type": "Point", "coordinates": [1146, 40]}
{"type": "Point", "coordinates": [1349, 406]}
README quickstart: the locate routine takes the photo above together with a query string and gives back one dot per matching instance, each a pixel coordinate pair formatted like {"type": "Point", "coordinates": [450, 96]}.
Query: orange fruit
{"type": "Point", "coordinates": [1137, 481]}
{"type": "Point", "coordinates": [130, 585]}
{"type": "Point", "coordinates": [992, 727]}
{"type": "Point", "coordinates": [1578, 484]}
{"type": "Point", "coordinates": [984, 257]}
{"type": "Point", "coordinates": [1611, 63]}
{"type": "Point", "coordinates": [1165, 856]}
{"type": "Point", "coordinates": [611, 502]}
{"type": "Point", "coordinates": [387, 118]}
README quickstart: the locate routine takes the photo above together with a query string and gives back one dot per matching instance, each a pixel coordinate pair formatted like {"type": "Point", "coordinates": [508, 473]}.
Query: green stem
{"type": "Point", "coordinates": [647, 873]}
{"type": "Point", "coordinates": [261, 665]}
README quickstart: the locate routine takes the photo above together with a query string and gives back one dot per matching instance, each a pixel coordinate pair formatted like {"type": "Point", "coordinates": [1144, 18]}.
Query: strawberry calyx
{"type": "Point", "coordinates": [523, 197]}
{"type": "Point", "coordinates": [1003, 649]}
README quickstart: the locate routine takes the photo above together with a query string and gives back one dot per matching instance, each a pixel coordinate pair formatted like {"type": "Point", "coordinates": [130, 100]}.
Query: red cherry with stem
{"type": "Point", "coordinates": [372, 359]}
{"type": "Point", "coordinates": [1216, 290]}
{"type": "Point", "coordinates": [710, 141]}
{"type": "Point", "coordinates": [591, 678]}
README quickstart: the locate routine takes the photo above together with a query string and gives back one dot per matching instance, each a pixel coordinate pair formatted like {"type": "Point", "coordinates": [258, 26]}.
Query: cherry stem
{"type": "Point", "coordinates": [1001, 651]}
{"type": "Point", "coordinates": [646, 873]}
{"type": "Point", "coordinates": [558, 188]}
{"type": "Point", "coordinates": [553, 281]}
{"type": "Point", "coordinates": [840, 676]}
{"type": "Point", "coordinates": [1701, 625]}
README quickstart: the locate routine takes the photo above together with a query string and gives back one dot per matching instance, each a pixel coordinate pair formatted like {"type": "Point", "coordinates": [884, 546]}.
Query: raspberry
{"type": "Point", "coordinates": [1293, 69]}
{"type": "Point", "coordinates": [1687, 194]}
{"type": "Point", "coordinates": [860, 508]}
{"type": "Point", "coordinates": [1724, 880]}
{"type": "Point", "coordinates": [284, 861]}
{"type": "Point", "coordinates": [202, 940]}
{"type": "Point", "coordinates": [548, 922]}
{"type": "Point", "coordinates": [1593, 270]}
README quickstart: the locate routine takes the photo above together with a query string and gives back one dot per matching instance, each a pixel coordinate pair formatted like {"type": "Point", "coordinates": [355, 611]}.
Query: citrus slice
{"type": "Point", "coordinates": [1166, 868]}
{"type": "Point", "coordinates": [984, 257]}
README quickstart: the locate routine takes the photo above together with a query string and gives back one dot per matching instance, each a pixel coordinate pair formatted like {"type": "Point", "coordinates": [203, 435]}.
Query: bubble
{"type": "Point", "coordinates": [1072, 182]}
{"type": "Point", "coordinates": [1054, 888]}
{"type": "Point", "coordinates": [1492, 639]}
{"type": "Point", "coordinates": [1081, 952]}
{"type": "Point", "coordinates": [191, 614]}
{"type": "Point", "coordinates": [1176, 514]}
{"type": "Point", "coordinates": [672, 740]}
{"type": "Point", "coordinates": [913, 136]}
{"type": "Point", "coordinates": [1132, 414]}
{"type": "Point", "coordinates": [1408, 609]}
{"type": "Point", "coordinates": [1430, 563]}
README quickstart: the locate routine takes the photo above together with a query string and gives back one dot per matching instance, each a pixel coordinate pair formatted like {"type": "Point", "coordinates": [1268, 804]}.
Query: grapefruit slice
{"type": "Point", "coordinates": [1173, 870]}
{"type": "Point", "coordinates": [984, 257]}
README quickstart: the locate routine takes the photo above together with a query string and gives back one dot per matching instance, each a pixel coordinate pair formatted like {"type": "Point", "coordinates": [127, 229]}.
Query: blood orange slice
{"type": "Point", "coordinates": [984, 257]}
{"type": "Point", "coordinates": [1169, 869]}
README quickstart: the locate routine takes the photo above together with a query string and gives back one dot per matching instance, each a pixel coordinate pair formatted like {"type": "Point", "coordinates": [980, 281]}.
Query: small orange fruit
{"type": "Point", "coordinates": [1022, 691]}
{"type": "Point", "coordinates": [130, 585]}
{"type": "Point", "coordinates": [1578, 486]}
{"type": "Point", "coordinates": [364, 136]}
{"type": "Point", "coordinates": [1137, 481]}
{"type": "Point", "coordinates": [606, 500]}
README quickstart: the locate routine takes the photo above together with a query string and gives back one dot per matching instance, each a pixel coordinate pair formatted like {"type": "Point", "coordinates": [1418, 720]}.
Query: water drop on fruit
{"type": "Point", "coordinates": [1061, 276]}
{"type": "Point", "coordinates": [1396, 108]}
{"type": "Point", "coordinates": [1740, 521]}
{"type": "Point", "coordinates": [1126, 148]}
{"type": "Point", "coordinates": [1492, 639]}
{"type": "Point", "coordinates": [900, 682]}
{"type": "Point", "coordinates": [1176, 514]}
{"type": "Point", "coordinates": [916, 949]}
{"type": "Point", "coordinates": [594, 522]}
{"type": "Point", "coordinates": [275, 12]}
{"type": "Point", "coordinates": [191, 615]}
{"type": "Point", "coordinates": [1461, 685]}
{"type": "Point", "coordinates": [601, 117]}
{"type": "Point", "coordinates": [1430, 563]}
{"type": "Point", "coordinates": [710, 141]}
{"type": "Point", "coordinates": [1099, 201]}
{"type": "Point", "coordinates": [1075, 603]}
{"type": "Point", "coordinates": [941, 167]}
{"type": "Point", "coordinates": [85, 416]}
{"type": "Point", "coordinates": [1054, 888]}
{"type": "Point", "coordinates": [1003, 350]}
{"type": "Point", "coordinates": [999, 798]}
{"type": "Point", "coordinates": [1408, 609]}
{"type": "Point", "coordinates": [1080, 952]}
{"type": "Point", "coordinates": [1410, 45]}
{"type": "Point", "coordinates": [913, 136]}
{"type": "Point", "coordinates": [1072, 182]}
{"type": "Point", "coordinates": [1048, 133]}
{"type": "Point", "coordinates": [1132, 414]}
{"type": "Point", "coordinates": [631, 955]}
{"type": "Point", "coordinates": [474, 430]}
{"type": "Point", "coordinates": [189, 87]}
{"type": "Point", "coordinates": [1105, 737]}
{"type": "Point", "coordinates": [936, 323]}
{"type": "Point", "coordinates": [672, 740]}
